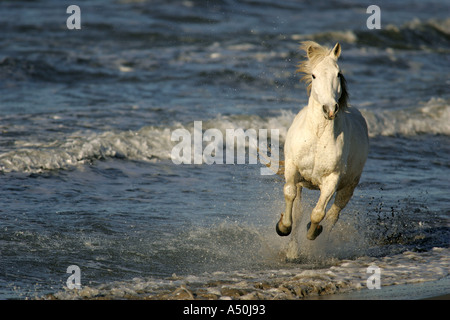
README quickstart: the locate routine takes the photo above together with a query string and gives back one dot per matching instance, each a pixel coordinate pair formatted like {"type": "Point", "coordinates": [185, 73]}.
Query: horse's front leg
{"type": "Point", "coordinates": [327, 189]}
{"type": "Point", "coordinates": [284, 225]}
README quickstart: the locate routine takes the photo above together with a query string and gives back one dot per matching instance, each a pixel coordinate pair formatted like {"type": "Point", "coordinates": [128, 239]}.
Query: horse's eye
{"type": "Point", "coordinates": [313, 76]}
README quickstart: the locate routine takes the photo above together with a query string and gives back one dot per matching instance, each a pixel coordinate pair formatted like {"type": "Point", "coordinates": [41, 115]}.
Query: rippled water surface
{"type": "Point", "coordinates": [86, 118]}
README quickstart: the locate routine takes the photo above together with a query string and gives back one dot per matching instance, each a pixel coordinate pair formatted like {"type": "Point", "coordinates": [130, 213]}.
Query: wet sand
{"type": "Point", "coordinates": [430, 290]}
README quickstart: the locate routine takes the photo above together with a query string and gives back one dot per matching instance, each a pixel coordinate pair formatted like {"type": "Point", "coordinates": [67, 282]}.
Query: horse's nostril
{"type": "Point", "coordinates": [324, 108]}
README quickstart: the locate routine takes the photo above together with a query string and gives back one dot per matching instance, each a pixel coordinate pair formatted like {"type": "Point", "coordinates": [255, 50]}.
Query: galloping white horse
{"type": "Point", "coordinates": [327, 144]}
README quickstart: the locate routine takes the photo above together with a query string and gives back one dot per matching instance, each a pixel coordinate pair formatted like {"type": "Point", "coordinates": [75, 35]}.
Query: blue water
{"type": "Point", "coordinates": [86, 118]}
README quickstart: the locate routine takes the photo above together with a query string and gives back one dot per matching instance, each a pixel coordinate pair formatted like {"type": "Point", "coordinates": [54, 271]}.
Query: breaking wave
{"type": "Point", "coordinates": [432, 117]}
{"type": "Point", "coordinates": [432, 34]}
{"type": "Point", "coordinates": [154, 143]}
{"type": "Point", "coordinates": [345, 276]}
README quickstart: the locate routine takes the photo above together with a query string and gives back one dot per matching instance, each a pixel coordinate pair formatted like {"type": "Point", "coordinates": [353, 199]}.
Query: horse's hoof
{"type": "Point", "coordinates": [313, 234]}
{"type": "Point", "coordinates": [283, 231]}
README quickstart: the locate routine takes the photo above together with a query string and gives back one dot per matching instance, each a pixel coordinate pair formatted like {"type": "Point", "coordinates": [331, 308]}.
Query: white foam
{"type": "Point", "coordinates": [343, 36]}
{"type": "Point", "coordinates": [345, 276]}
{"type": "Point", "coordinates": [154, 143]}
{"type": "Point", "coordinates": [433, 117]}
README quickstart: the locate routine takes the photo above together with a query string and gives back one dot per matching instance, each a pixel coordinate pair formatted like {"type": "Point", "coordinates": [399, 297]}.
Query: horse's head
{"type": "Point", "coordinates": [326, 83]}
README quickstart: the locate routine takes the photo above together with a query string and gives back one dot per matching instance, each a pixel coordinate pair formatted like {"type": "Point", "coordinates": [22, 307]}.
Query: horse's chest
{"type": "Point", "coordinates": [318, 158]}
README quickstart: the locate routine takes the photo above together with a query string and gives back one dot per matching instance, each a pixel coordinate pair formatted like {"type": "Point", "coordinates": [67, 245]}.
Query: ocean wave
{"type": "Point", "coordinates": [347, 36]}
{"type": "Point", "coordinates": [432, 34]}
{"type": "Point", "coordinates": [154, 143]}
{"type": "Point", "coordinates": [21, 69]}
{"type": "Point", "coordinates": [297, 283]}
{"type": "Point", "coordinates": [147, 144]}
{"type": "Point", "coordinates": [416, 34]}
{"type": "Point", "coordinates": [67, 67]}
{"type": "Point", "coordinates": [432, 117]}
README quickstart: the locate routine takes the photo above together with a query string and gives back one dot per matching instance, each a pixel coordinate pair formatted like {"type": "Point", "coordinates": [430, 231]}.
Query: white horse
{"type": "Point", "coordinates": [327, 144]}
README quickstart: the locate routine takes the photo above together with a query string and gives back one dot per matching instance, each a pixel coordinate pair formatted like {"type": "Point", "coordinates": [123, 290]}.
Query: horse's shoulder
{"type": "Point", "coordinates": [356, 118]}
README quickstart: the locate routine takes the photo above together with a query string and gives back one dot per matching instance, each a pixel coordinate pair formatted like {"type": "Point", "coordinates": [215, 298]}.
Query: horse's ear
{"type": "Point", "coordinates": [310, 51]}
{"type": "Point", "coordinates": [336, 52]}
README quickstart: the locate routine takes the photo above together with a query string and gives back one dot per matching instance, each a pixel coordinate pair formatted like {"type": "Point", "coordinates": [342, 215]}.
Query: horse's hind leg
{"type": "Point", "coordinates": [284, 225]}
{"type": "Point", "coordinates": [343, 196]}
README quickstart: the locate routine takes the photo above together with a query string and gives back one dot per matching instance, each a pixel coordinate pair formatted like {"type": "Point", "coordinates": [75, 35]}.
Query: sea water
{"type": "Point", "coordinates": [86, 123]}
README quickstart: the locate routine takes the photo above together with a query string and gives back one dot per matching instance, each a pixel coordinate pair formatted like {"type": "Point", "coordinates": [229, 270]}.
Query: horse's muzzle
{"type": "Point", "coordinates": [330, 111]}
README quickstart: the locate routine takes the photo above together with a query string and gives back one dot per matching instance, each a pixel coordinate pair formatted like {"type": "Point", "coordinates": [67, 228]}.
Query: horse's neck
{"type": "Point", "coordinates": [318, 123]}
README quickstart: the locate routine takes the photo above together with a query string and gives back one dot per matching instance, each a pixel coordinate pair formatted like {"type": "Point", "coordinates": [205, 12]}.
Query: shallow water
{"type": "Point", "coordinates": [86, 118]}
